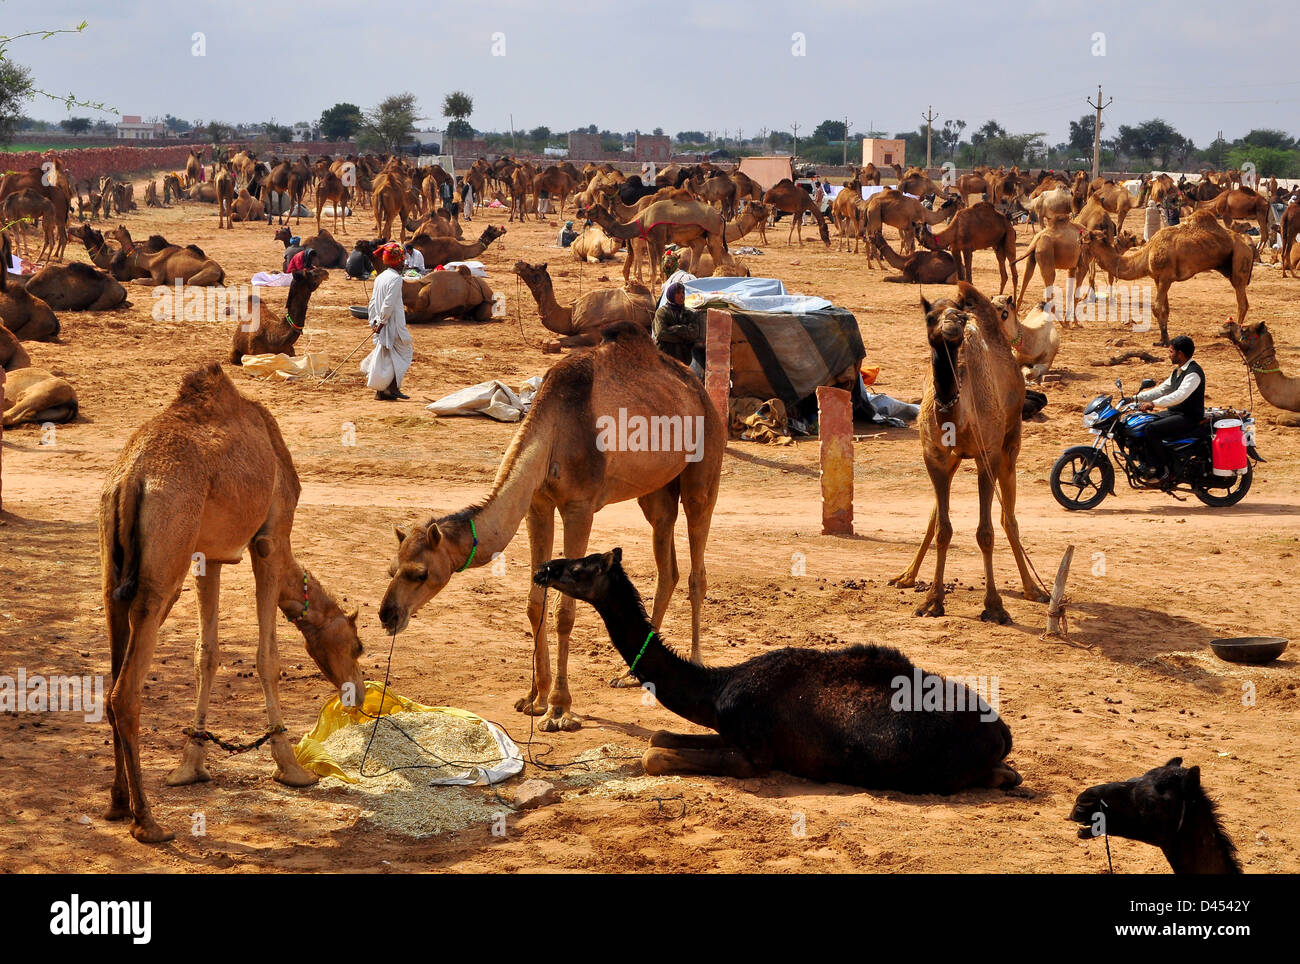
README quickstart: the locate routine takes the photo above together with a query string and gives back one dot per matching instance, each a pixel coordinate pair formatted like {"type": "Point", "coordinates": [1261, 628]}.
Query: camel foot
{"type": "Point", "coordinates": [557, 719]}
{"type": "Point", "coordinates": [188, 773]}
{"type": "Point", "coordinates": [903, 581]}
{"type": "Point", "coordinates": [931, 607]}
{"type": "Point", "coordinates": [295, 776]}
{"type": "Point", "coordinates": [1037, 594]}
{"type": "Point", "coordinates": [552, 348]}
{"type": "Point", "coordinates": [531, 704]}
{"type": "Point", "coordinates": [117, 811]}
{"type": "Point", "coordinates": [1003, 777]}
{"type": "Point", "coordinates": [626, 681]}
{"type": "Point", "coordinates": [149, 831]}
{"type": "Point", "coordinates": [995, 614]}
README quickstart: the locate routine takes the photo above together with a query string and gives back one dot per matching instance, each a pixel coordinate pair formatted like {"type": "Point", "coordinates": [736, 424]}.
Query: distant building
{"type": "Point", "coordinates": [132, 128]}
{"type": "Point", "coordinates": [651, 147]}
{"type": "Point", "coordinates": [585, 146]}
{"type": "Point", "coordinates": [883, 152]}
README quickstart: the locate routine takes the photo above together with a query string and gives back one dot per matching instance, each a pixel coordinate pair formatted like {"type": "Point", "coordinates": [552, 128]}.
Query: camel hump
{"type": "Point", "coordinates": [206, 386]}
{"type": "Point", "coordinates": [196, 249]}
{"type": "Point", "coordinates": [625, 332]}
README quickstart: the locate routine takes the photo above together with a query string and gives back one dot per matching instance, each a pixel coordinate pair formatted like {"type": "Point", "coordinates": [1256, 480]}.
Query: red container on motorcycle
{"type": "Point", "coordinates": [1228, 447]}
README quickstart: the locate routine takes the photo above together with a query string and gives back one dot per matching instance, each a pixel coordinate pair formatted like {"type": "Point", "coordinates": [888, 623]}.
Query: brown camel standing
{"type": "Point", "coordinates": [580, 323]}
{"type": "Point", "coordinates": [194, 487]}
{"type": "Point", "coordinates": [1056, 247]}
{"type": "Point", "coordinates": [789, 197]}
{"type": "Point", "coordinates": [224, 182]}
{"type": "Point", "coordinates": [687, 223]}
{"type": "Point", "coordinates": [1179, 253]}
{"type": "Point", "coordinates": [974, 397]}
{"type": "Point", "coordinates": [389, 201]}
{"type": "Point", "coordinates": [1115, 198]}
{"type": "Point", "coordinates": [973, 228]}
{"type": "Point", "coordinates": [330, 189]}
{"type": "Point", "coordinates": [566, 457]}
{"type": "Point", "coordinates": [1240, 204]}
{"type": "Point", "coordinates": [1290, 228]}
{"type": "Point", "coordinates": [193, 167]}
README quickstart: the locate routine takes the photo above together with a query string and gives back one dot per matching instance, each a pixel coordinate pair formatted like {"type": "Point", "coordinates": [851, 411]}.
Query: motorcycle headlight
{"type": "Point", "coordinates": [1089, 419]}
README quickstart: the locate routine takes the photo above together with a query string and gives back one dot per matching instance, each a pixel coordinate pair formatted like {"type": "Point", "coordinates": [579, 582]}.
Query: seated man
{"type": "Point", "coordinates": [1182, 394]}
{"type": "Point", "coordinates": [568, 235]}
{"type": "Point", "coordinates": [679, 331]}
{"type": "Point", "coordinates": [414, 258]}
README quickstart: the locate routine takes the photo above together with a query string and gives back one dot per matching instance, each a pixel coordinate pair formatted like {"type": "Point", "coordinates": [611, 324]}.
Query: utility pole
{"type": "Point", "coordinates": [928, 117]}
{"type": "Point", "coordinates": [1096, 133]}
{"type": "Point", "coordinates": [846, 140]}
{"type": "Point", "coordinates": [795, 153]}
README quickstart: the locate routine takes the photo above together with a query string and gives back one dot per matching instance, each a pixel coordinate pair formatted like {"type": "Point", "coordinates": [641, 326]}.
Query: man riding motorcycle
{"type": "Point", "coordinates": [1182, 394]}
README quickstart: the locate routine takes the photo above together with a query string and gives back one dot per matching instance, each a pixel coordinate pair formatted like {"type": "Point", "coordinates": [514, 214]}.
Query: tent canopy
{"type": "Point", "coordinates": [766, 171]}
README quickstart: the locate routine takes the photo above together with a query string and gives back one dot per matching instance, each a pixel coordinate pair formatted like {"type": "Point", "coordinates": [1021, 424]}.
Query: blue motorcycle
{"type": "Point", "coordinates": [1084, 474]}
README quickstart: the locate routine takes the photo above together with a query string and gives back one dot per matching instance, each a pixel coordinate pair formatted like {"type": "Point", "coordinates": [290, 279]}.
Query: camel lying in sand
{"type": "Point", "coordinates": [444, 295]}
{"type": "Point", "coordinates": [34, 395]}
{"type": "Point", "coordinates": [1034, 339]}
{"type": "Point", "coordinates": [12, 353]}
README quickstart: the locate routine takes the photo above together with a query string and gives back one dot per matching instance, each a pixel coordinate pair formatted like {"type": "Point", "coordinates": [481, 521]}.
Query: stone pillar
{"type": "Point", "coordinates": [835, 421]}
{"type": "Point", "coordinates": [717, 361]}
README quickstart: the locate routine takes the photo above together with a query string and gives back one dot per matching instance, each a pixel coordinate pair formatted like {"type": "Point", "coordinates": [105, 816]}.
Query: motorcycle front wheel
{"type": "Point", "coordinates": [1229, 495]}
{"type": "Point", "coordinates": [1082, 477]}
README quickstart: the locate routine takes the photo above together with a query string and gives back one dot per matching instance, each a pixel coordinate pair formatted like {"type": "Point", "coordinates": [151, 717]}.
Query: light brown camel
{"type": "Point", "coordinates": [719, 190]}
{"type": "Point", "coordinates": [1056, 247]}
{"type": "Point", "coordinates": [593, 244]}
{"type": "Point", "coordinates": [556, 183]}
{"type": "Point", "coordinates": [868, 174]}
{"type": "Point", "coordinates": [23, 313]}
{"type": "Point", "coordinates": [974, 397]}
{"type": "Point", "coordinates": [259, 332]}
{"type": "Point", "coordinates": [579, 324]}
{"type": "Point", "coordinates": [447, 295]}
{"type": "Point", "coordinates": [1115, 198]}
{"type": "Point", "coordinates": [1240, 204]}
{"type": "Point", "coordinates": [1290, 228]}
{"type": "Point", "coordinates": [789, 197]}
{"type": "Point", "coordinates": [438, 251]}
{"type": "Point", "coordinates": [194, 487]}
{"type": "Point", "coordinates": [34, 395]}
{"type": "Point", "coordinates": [566, 457]}
{"type": "Point", "coordinates": [188, 265]}
{"type": "Point", "coordinates": [687, 223]}
{"type": "Point", "coordinates": [1255, 342]}
{"type": "Point", "coordinates": [224, 182]}
{"type": "Point", "coordinates": [12, 353]}
{"type": "Point", "coordinates": [388, 199]}
{"type": "Point", "coordinates": [971, 229]}
{"type": "Point", "coordinates": [921, 268]}
{"type": "Point", "coordinates": [193, 167]}
{"type": "Point", "coordinates": [330, 189]}
{"type": "Point", "coordinates": [247, 207]}
{"type": "Point", "coordinates": [1033, 339]}
{"type": "Point", "coordinates": [520, 182]}
{"type": "Point", "coordinates": [1179, 253]}
{"type": "Point", "coordinates": [901, 213]}
{"type": "Point", "coordinates": [753, 215]}
{"type": "Point", "coordinates": [436, 224]}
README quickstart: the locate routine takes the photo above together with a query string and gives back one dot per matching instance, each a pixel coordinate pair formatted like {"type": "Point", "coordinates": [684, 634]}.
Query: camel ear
{"type": "Point", "coordinates": [433, 535]}
{"type": "Point", "coordinates": [925, 305]}
{"type": "Point", "coordinates": [401, 536]}
{"type": "Point", "coordinates": [1175, 762]}
{"type": "Point", "coordinates": [352, 616]}
{"type": "Point", "coordinates": [616, 556]}
{"type": "Point", "coordinates": [1192, 779]}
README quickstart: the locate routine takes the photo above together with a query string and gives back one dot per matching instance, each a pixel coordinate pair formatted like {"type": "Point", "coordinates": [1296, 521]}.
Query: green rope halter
{"type": "Point", "coordinates": [649, 636]}
{"type": "Point", "coordinates": [473, 549]}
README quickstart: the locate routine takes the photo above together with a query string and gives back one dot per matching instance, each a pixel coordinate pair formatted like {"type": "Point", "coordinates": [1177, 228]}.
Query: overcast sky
{"type": "Point", "coordinates": [697, 65]}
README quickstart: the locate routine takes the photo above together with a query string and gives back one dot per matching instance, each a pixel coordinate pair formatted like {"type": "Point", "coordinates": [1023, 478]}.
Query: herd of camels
{"type": "Point", "coordinates": [240, 489]}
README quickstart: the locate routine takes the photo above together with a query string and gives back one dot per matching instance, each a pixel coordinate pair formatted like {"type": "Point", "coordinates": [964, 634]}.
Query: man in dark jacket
{"type": "Point", "coordinates": [677, 330]}
{"type": "Point", "coordinates": [1183, 395]}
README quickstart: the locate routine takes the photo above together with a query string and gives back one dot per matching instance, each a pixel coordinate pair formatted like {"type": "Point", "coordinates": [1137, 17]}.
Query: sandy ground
{"type": "Point", "coordinates": [1154, 581]}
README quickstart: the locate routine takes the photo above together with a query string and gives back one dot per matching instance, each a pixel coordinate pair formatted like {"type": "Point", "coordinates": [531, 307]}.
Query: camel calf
{"type": "Point", "coordinates": [34, 395]}
{"type": "Point", "coordinates": [1034, 340]}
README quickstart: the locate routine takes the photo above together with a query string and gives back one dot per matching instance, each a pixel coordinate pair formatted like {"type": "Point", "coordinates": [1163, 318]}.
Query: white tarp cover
{"type": "Point", "coordinates": [749, 294]}
{"type": "Point", "coordinates": [494, 399]}
{"type": "Point", "coordinates": [476, 268]}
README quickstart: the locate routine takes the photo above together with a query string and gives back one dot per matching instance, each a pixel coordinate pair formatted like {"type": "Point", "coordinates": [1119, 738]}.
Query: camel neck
{"type": "Point", "coordinates": [678, 684]}
{"type": "Point", "coordinates": [1201, 847]}
{"type": "Point", "coordinates": [551, 310]}
{"type": "Point", "coordinates": [301, 594]}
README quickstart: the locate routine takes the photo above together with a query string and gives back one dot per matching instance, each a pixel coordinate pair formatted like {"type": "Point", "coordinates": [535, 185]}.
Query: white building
{"type": "Point", "coordinates": [133, 129]}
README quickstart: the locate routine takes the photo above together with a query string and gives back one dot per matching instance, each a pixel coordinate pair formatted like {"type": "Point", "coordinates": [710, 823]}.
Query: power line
{"type": "Point", "coordinates": [1096, 132]}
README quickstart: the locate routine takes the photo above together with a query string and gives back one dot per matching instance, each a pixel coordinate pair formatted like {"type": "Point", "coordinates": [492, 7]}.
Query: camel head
{"type": "Point", "coordinates": [1005, 307]}
{"type": "Point", "coordinates": [491, 233]}
{"type": "Point", "coordinates": [333, 644]}
{"type": "Point", "coordinates": [423, 566]}
{"type": "Point", "coordinates": [945, 324]}
{"type": "Point", "coordinates": [532, 274]}
{"type": "Point", "coordinates": [122, 236]}
{"type": "Point", "coordinates": [1149, 808]}
{"type": "Point", "coordinates": [1251, 338]}
{"type": "Point", "coordinates": [587, 579]}
{"type": "Point", "coordinates": [284, 235]}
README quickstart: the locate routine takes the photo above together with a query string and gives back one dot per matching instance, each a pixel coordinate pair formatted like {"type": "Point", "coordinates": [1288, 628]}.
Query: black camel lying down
{"type": "Point", "coordinates": [841, 716]}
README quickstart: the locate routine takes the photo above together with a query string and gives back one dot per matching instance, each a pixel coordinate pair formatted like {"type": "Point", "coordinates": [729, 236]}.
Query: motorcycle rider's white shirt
{"type": "Point", "coordinates": [1165, 395]}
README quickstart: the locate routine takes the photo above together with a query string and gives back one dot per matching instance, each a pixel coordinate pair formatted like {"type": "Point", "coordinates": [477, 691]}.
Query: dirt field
{"type": "Point", "coordinates": [1154, 581]}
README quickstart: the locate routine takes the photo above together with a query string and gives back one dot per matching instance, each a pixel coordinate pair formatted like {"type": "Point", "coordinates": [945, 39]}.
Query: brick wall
{"type": "Point", "coordinates": [91, 162]}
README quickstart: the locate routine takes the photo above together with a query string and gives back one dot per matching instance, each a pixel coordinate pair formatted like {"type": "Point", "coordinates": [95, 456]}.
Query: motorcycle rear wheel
{"type": "Point", "coordinates": [1231, 495]}
{"type": "Point", "coordinates": [1080, 470]}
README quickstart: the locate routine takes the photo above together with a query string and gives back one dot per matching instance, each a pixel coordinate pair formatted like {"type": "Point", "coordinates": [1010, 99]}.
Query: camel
{"type": "Point", "coordinates": [788, 197]}
{"type": "Point", "coordinates": [579, 324]}
{"type": "Point", "coordinates": [972, 409]}
{"type": "Point", "coordinates": [747, 189]}
{"type": "Point", "coordinates": [593, 244]}
{"type": "Point", "coordinates": [30, 207]}
{"type": "Point", "coordinates": [1034, 339]}
{"type": "Point", "coordinates": [1290, 228]}
{"type": "Point", "coordinates": [1240, 204]}
{"type": "Point", "coordinates": [1115, 198]}
{"type": "Point", "coordinates": [719, 190]}
{"type": "Point", "coordinates": [12, 353]}
{"type": "Point", "coordinates": [289, 179]}
{"type": "Point", "coordinates": [1179, 253]}
{"type": "Point", "coordinates": [921, 268]}
{"type": "Point", "coordinates": [269, 335]}
{"type": "Point", "coordinates": [436, 224]}
{"type": "Point", "coordinates": [1053, 206]}
{"type": "Point", "coordinates": [438, 251]}
{"type": "Point", "coordinates": [563, 457]}
{"type": "Point", "coordinates": [1056, 247]}
{"type": "Point", "coordinates": [968, 184]}
{"type": "Point", "coordinates": [869, 174]}
{"type": "Point", "coordinates": [1166, 807]}
{"type": "Point", "coordinates": [520, 182]}
{"type": "Point", "coordinates": [195, 485]}
{"type": "Point", "coordinates": [388, 200]}
{"type": "Point", "coordinates": [329, 253]}
{"type": "Point", "coordinates": [247, 207]}
{"type": "Point", "coordinates": [331, 189]}
{"type": "Point", "coordinates": [753, 215]}
{"type": "Point", "coordinates": [687, 223]}
{"type": "Point", "coordinates": [557, 183]}
{"type": "Point", "coordinates": [224, 182]}
{"type": "Point", "coordinates": [77, 286]}
{"type": "Point", "coordinates": [22, 312]}
{"type": "Point", "coordinates": [916, 181]}
{"type": "Point", "coordinates": [188, 265]}
{"type": "Point", "coordinates": [34, 395]}
{"type": "Point", "coordinates": [172, 188]}
{"type": "Point", "coordinates": [973, 228]}
{"type": "Point", "coordinates": [1255, 342]}
{"type": "Point", "coordinates": [846, 207]}
{"type": "Point", "coordinates": [194, 167]}
{"type": "Point", "coordinates": [901, 213]}
{"type": "Point", "coordinates": [445, 295]}
{"type": "Point", "coordinates": [825, 715]}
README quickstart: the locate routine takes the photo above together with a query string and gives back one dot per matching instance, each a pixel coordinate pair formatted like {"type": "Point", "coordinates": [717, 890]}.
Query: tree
{"type": "Point", "coordinates": [540, 134]}
{"type": "Point", "coordinates": [176, 125]}
{"type": "Point", "coordinates": [75, 125]}
{"type": "Point", "coordinates": [1280, 140]}
{"type": "Point", "coordinates": [659, 132]}
{"type": "Point", "coordinates": [216, 132]}
{"type": "Point", "coordinates": [340, 122]}
{"type": "Point", "coordinates": [15, 90]}
{"type": "Point", "coordinates": [691, 137]}
{"type": "Point", "coordinates": [458, 105]}
{"type": "Point", "coordinates": [387, 124]}
{"type": "Point", "coordinates": [1082, 133]}
{"type": "Point", "coordinates": [829, 130]}
{"type": "Point", "coordinates": [278, 133]}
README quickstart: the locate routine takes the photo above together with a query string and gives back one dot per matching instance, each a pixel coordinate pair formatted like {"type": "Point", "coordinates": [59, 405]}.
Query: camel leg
{"type": "Point", "coordinates": [666, 739]}
{"type": "Point", "coordinates": [727, 762]}
{"type": "Point", "coordinates": [941, 479]}
{"type": "Point", "coordinates": [541, 543]}
{"type": "Point", "coordinates": [994, 612]}
{"type": "Point", "coordinates": [206, 655]}
{"type": "Point", "coordinates": [577, 531]}
{"type": "Point", "coordinates": [119, 632]}
{"type": "Point", "coordinates": [1162, 310]}
{"type": "Point", "coordinates": [699, 495]}
{"type": "Point", "coordinates": [907, 578]}
{"type": "Point", "coordinates": [1007, 483]}
{"type": "Point", "coordinates": [660, 510]}
{"type": "Point", "coordinates": [266, 575]}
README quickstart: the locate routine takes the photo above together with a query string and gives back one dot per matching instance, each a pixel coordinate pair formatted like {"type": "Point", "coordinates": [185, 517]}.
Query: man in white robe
{"type": "Point", "coordinates": [387, 363]}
